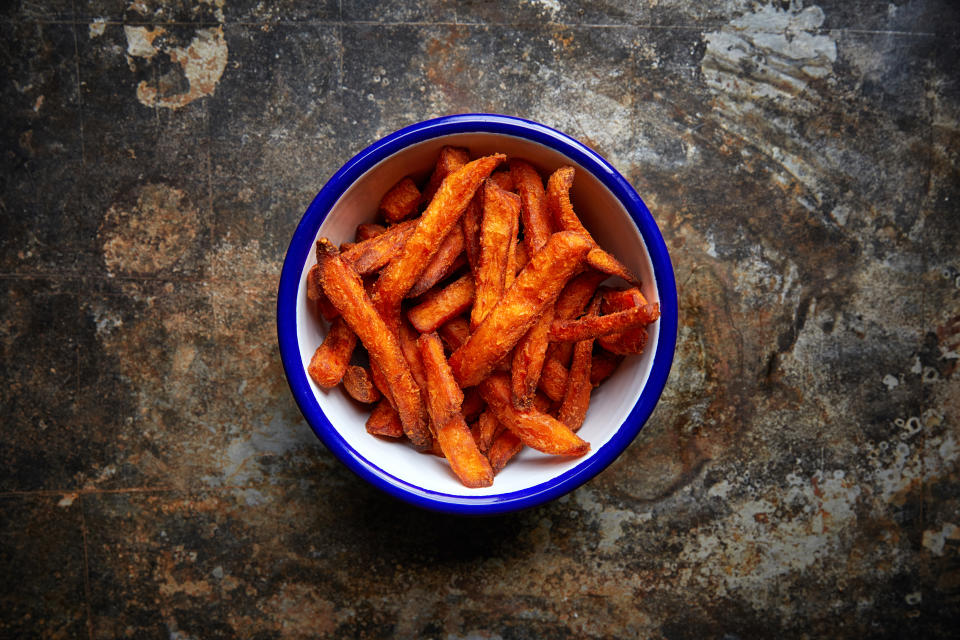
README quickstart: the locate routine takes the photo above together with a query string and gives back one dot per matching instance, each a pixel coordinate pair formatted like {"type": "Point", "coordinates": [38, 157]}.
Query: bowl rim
{"type": "Point", "coordinates": [301, 245]}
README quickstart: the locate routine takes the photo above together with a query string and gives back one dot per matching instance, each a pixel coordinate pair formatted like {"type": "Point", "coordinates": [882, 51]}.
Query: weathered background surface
{"type": "Point", "coordinates": [800, 478]}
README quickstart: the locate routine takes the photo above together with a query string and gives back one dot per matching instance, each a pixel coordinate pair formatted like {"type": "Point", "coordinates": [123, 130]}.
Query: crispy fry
{"type": "Point", "coordinates": [371, 254]}
{"type": "Point", "coordinates": [593, 326]}
{"type": "Point", "coordinates": [401, 201]}
{"type": "Point", "coordinates": [445, 398]}
{"type": "Point", "coordinates": [445, 404]}
{"type": "Point", "coordinates": [537, 285]}
{"type": "Point", "coordinates": [317, 298]}
{"type": "Point", "coordinates": [345, 290]}
{"type": "Point", "coordinates": [385, 421]}
{"type": "Point", "coordinates": [576, 396]}
{"type": "Point", "coordinates": [450, 159]}
{"type": "Point", "coordinates": [503, 179]}
{"type": "Point", "coordinates": [444, 211]}
{"type": "Point", "coordinates": [558, 202]}
{"type": "Point", "coordinates": [359, 384]}
{"type": "Point", "coordinates": [443, 263]}
{"type": "Point", "coordinates": [470, 223]}
{"type": "Point", "coordinates": [455, 332]}
{"type": "Point", "coordinates": [553, 380]}
{"type": "Point", "coordinates": [535, 429]}
{"type": "Point", "coordinates": [488, 428]}
{"type": "Point", "coordinates": [513, 250]}
{"type": "Point", "coordinates": [537, 226]}
{"type": "Point", "coordinates": [330, 360]}
{"type": "Point", "coordinates": [603, 365]}
{"type": "Point", "coordinates": [528, 358]}
{"type": "Point", "coordinates": [629, 341]}
{"type": "Point", "coordinates": [501, 210]}
{"type": "Point", "coordinates": [440, 306]}
{"type": "Point", "coordinates": [502, 449]}
{"type": "Point", "coordinates": [367, 230]}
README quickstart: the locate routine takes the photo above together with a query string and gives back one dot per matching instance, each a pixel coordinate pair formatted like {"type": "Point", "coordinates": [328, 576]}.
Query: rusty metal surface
{"type": "Point", "coordinates": [798, 479]}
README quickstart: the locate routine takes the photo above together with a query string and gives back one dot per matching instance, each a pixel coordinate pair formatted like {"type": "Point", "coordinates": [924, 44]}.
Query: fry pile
{"type": "Point", "coordinates": [473, 317]}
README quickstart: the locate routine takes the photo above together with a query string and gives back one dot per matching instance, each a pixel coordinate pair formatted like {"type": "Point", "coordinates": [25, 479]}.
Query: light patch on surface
{"type": "Point", "coordinates": [891, 381]}
{"type": "Point", "coordinates": [934, 540]}
{"type": "Point", "coordinates": [152, 234]}
{"type": "Point", "coordinates": [202, 62]}
{"type": "Point", "coordinates": [68, 499]}
{"type": "Point", "coordinates": [97, 27]}
{"type": "Point", "coordinates": [610, 521]}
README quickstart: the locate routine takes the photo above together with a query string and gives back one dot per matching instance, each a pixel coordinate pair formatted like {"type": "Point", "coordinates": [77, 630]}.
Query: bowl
{"type": "Point", "coordinates": [612, 211]}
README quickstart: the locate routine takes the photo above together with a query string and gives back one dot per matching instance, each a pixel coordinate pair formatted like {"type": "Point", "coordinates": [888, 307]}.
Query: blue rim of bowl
{"type": "Point", "coordinates": [302, 243]}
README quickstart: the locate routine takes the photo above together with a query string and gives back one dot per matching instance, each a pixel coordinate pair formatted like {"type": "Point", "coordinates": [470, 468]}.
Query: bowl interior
{"type": "Point", "coordinates": [606, 218]}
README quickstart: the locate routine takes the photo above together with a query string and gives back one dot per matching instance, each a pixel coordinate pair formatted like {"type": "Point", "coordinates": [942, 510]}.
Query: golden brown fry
{"type": "Point", "coordinates": [330, 360]}
{"type": "Point", "coordinates": [450, 159]}
{"type": "Point", "coordinates": [558, 202]}
{"type": "Point", "coordinates": [535, 429]}
{"type": "Point", "coordinates": [513, 250]}
{"type": "Point", "coordinates": [443, 263]}
{"type": "Point", "coordinates": [502, 449]}
{"type": "Point", "coordinates": [371, 254]}
{"type": "Point", "coordinates": [367, 230]}
{"type": "Point", "coordinates": [537, 286]}
{"type": "Point", "coordinates": [576, 396]}
{"type": "Point", "coordinates": [385, 421]}
{"type": "Point", "coordinates": [446, 399]}
{"type": "Point", "coordinates": [443, 212]}
{"type": "Point", "coordinates": [442, 305]}
{"type": "Point", "coordinates": [488, 427]}
{"type": "Point", "coordinates": [594, 326]}
{"type": "Point", "coordinates": [345, 290]}
{"type": "Point", "coordinates": [359, 384]}
{"type": "Point", "coordinates": [537, 226]}
{"type": "Point", "coordinates": [501, 210]}
{"type": "Point", "coordinates": [401, 201]}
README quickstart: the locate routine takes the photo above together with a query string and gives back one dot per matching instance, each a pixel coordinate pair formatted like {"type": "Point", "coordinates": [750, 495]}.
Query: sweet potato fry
{"type": "Point", "coordinates": [367, 230]}
{"type": "Point", "coordinates": [345, 290]}
{"type": "Point", "coordinates": [535, 429]}
{"type": "Point", "coordinates": [444, 406]}
{"type": "Point", "coordinates": [445, 398]}
{"type": "Point", "coordinates": [443, 212]}
{"type": "Point", "coordinates": [385, 421]}
{"type": "Point", "coordinates": [603, 365]}
{"type": "Point", "coordinates": [441, 305]}
{"type": "Point", "coordinates": [455, 332]}
{"type": "Point", "coordinates": [317, 298]}
{"type": "Point", "coordinates": [501, 210]}
{"type": "Point", "coordinates": [371, 254]}
{"type": "Point", "coordinates": [576, 395]}
{"type": "Point", "coordinates": [450, 159]}
{"type": "Point", "coordinates": [594, 326]}
{"type": "Point", "coordinates": [537, 285]}
{"type": "Point", "coordinates": [443, 263]}
{"type": "Point", "coordinates": [473, 404]}
{"type": "Point", "coordinates": [470, 223]}
{"type": "Point", "coordinates": [511, 270]}
{"type": "Point", "coordinates": [502, 449]}
{"type": "Point", "coordinates": [558, 202]}
{"type": "Point", "coordinates": [488, 428]}
{"type": "Point", "coordinates": [537, 226]}
{"type": "Point", "coordinates": [528, 358]}
{"type": "Point", "coordinates": [401, 201]}
{"type": "Point", "coordinates": [553, 380]}
{"type": "Point", "coordinates": [503, 179]}
{"type": "Point", "coordinates": [629, 341]}
{"type": "Point", "coordinates": [330, 360]}
{"type": "Point", "coordinates": [359, 384]}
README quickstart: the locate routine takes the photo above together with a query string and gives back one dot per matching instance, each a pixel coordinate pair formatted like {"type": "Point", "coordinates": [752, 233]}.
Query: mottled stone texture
{"type": "Point", "coordinates": [800, 477]}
